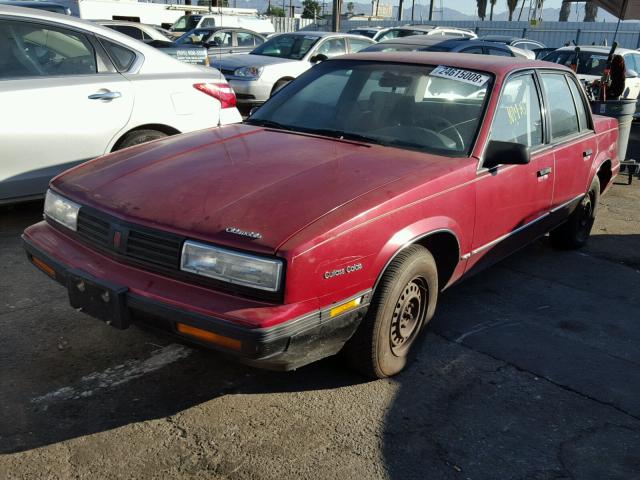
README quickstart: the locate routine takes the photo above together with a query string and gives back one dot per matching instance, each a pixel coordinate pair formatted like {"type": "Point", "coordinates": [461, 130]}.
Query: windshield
{"type": "Point", "coordinates": [589, 63]}
{"type": "Point", "coordinates": [418, 107]}
{"type": "Point", "coordinates": [186, 23]}
{"type": "Point", "coordinates": [293, 47]}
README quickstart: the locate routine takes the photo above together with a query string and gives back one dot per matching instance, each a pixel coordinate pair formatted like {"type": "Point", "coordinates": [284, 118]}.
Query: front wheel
{"type": "Point", "coordinates": [574, 233]}
{"type": "Point", "coordinates": [403, 303]}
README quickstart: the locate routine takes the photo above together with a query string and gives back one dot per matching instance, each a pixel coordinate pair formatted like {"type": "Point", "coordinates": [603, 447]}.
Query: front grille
{"type": "Point", "coordinates": [153, 249]}
{"type": "Point", "coordinates": [94, 229]}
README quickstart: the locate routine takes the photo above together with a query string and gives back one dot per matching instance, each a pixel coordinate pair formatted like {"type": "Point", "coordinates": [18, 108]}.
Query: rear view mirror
{"type": "Point", "coordinates": [505, 153]}
{"type": "Point", "coordinates": [392, 80]}
{"type": "Point", "coordinates": [318, 58]}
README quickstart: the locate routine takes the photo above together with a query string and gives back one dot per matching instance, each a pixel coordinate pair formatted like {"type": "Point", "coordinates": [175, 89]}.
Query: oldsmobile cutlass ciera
{"type": "Point", "coordinates": [332, 218]}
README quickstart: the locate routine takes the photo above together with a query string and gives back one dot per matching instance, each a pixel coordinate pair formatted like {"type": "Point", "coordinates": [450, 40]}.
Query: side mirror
{"type": "Point", "coordinates": [320, 57]}
{"type": "Point", "coordinates": [505, 153]}
{"type": "Point", "coordinates": [631, 73]}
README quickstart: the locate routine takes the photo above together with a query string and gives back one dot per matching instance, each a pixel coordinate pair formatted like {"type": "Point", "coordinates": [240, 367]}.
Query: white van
{"type": "Point", "coordinates": [258, 24]}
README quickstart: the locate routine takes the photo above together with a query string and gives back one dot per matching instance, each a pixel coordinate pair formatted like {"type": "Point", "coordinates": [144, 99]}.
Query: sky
{"type": "Point", "coordinates": [469, 6]}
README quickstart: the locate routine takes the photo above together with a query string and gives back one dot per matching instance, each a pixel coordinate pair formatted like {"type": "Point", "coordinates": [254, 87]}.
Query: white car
{"type": "Point", "coordinates": [592, 60]}
{"type": "Point", "coordinates": [72, 90]}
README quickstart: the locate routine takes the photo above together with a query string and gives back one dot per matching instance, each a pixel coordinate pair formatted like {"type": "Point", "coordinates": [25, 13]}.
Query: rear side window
{"type": "Point", "coordinates": [121, 57]}
{"type": "Point", "coordinates": [332, 47]}
{"type": "Point", "coordinates": [30, 49]}
{"type": "Point", "coordinates": [498, 51]}
{"type": "Point", "coordinates": [518, 118]}
{"type": "Point", "coordinates": [577, 98]}
{"type": "Point", "coordinates": [564, 118]}
{"type": "Point", "coordinates": [357, 44]}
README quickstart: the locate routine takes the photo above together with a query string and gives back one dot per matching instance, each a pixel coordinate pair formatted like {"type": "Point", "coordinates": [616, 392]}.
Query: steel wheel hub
{"type": "Point", "coordinates": [408, 315]}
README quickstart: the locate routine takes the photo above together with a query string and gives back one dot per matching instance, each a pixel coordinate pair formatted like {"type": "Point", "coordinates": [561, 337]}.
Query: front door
{"type": "Point", "coordinates": [513, 201]}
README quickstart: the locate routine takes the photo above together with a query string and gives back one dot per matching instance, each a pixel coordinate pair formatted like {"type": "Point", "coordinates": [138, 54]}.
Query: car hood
{"type": "Point", "coordinates": [239, 176]}
{"type": "Point", "coordinates": [231, 62]}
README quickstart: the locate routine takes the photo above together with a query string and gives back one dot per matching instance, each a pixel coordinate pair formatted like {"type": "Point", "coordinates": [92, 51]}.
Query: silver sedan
{"type": "Point", "coordinates": [254, 77]}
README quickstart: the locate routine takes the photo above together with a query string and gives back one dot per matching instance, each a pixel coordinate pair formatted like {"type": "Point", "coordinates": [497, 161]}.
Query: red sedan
{"type": "Point", "coordinates": [331, 220]}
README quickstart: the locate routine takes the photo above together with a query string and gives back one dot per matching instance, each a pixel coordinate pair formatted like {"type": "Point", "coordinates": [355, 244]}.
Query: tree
{"type": "Point", "coordinates": [590, 12]}
{"type": "Point", "coordinates": [311, 9]}
{"type": "Point", "coordinates": [511, 6]}
{"type": "Point", "coordinates": [275, 11]}
{"type": "Point", "coordinates": [482, 8]}
{"type": "Point", "coordinates": [565, 11]}
{"type": "Point", "coordinates": [493, 4]}
{"type": "Point", "coordinates": [351, 7]}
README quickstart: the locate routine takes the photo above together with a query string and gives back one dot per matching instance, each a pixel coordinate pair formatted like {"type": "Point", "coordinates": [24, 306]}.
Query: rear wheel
{"type": "Point", "coordinates": [140, 136]}
{"type": "Point", "coordinates": [574, 233]}
{"type": "Point", "coordinates": [404, 302]}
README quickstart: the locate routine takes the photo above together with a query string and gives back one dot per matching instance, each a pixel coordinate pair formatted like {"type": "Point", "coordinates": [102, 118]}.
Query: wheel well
{"type": "Point", "coordinates": [446, 252]}
{"type": "Point", "coordinates": [150, 126]}
{"type": "Point", "coordinates": [604, 175]}
{"type": "Point", "coordinates": [288, 79]}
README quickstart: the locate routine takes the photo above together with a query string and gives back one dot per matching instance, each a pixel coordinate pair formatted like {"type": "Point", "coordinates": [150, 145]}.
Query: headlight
{"type": "Point", "coordinates": [61, 210]}
{"type": "Point", "coordinates": [232, 267]}
{"type": "Point", "coordinates": [249, 72]}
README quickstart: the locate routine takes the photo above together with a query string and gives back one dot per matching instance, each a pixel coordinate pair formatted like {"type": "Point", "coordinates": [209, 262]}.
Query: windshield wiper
{"type": "Point", "coordinates": [340, 134]}
{"type": "Point", "coordinates": [267, 123]}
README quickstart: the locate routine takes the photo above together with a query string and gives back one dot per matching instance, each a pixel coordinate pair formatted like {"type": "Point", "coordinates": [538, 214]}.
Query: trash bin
{"type": "Point", "coordinates": [623, 110]}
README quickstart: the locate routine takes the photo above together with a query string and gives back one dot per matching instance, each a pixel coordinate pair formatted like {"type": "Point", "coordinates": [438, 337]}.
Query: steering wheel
{"type": "Point", "coordinates": [438, 121]}
{"type": "Point", "coordinates": [417, 135]}
{"type": "Point", "coordinates": [24, 55]}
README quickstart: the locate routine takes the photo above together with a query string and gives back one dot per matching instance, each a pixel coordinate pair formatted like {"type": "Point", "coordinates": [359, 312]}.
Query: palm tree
{"type": "Point", "coordinates": [565, 11]}
{"type": "Point", "coordinates": [511, 5]}
{"type": "Point", "coordinates": [493, 4]}
{"type": "Point", "coordinates": [590, 12]}
{"type": "Point", "coordinates": [482, 8]}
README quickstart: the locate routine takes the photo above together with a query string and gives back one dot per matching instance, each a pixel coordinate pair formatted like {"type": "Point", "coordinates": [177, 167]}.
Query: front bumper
{"type": "Point", "coordinates": [250, 92]}
{"type": "Point", "coordinates": [285, 346]}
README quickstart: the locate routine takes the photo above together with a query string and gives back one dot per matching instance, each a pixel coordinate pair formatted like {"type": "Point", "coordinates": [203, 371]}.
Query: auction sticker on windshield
{"type": "Point", "coordinates": [466, 76]}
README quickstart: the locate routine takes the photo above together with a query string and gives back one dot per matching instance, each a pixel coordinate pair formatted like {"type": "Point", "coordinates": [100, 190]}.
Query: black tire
{"type": "Point", "coordinates": [279, 84]}
{"type": "Point", "coordinates": [139, 136]}
{"type": "Point", "coordinates": [403, 303]}
{"type": "Point", "coordinates": [574, 233]}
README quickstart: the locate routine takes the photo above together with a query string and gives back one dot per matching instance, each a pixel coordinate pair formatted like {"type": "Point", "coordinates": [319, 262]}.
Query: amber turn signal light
{"type": "Point", "coordinates": [350, 305]}
{"type": "Point", "coordinates": [43, 266]}
{"type": "Point", "coordinates": [209, 337]}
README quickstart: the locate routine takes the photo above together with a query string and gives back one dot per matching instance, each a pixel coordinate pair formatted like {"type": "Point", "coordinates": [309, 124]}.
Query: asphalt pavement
{"type": "Point", "coordinates": [530, 370]}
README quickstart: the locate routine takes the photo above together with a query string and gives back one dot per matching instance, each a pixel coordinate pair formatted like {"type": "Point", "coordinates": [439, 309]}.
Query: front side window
{"type": "Point", "coordinates": [416, 107]}
{"type": "Point", "coordinates": [195, 37]}
{"type": "Point", "coordinates": [293, 47]}
{"type": "Point", "coordinates": [589, 63]}
{"type": "Point", "coordinates": [499, 52]}
{"type": "Point", "coordinates": [31, 50]}
{"type": "Point", "coordinates": [474, 50]}
{"type": "Point", "coordinates": [390, 34]}
{"type": "Point", "coordinates": [221, 38]}
{"type": "Point", "coordinates": [564, 118]}
{"type": "Point", "coordinates": [518, 117]}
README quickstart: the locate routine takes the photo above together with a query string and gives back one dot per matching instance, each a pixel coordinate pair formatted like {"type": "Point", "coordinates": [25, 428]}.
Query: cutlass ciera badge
{"type": "Point", "coordinates": [341, 271]}
{"type": "Point", "coordinates": [243, 233]}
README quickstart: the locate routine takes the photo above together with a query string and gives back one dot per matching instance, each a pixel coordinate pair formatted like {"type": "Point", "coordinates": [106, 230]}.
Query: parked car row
{"type": "Point", "coordinates": [61, 76]}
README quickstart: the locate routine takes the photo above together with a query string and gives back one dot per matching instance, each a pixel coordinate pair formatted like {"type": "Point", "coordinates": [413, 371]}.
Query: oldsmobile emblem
{"type": "Point", "coordinates": [341, 271]}
{"type": "Point", "coordinates": [243, 233]}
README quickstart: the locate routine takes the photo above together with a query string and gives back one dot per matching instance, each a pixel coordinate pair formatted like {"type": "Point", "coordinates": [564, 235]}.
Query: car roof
{"type": "Point", "coordinates": [421, 40]}
{"type": "Point", "coordinates": [321, 34]}
{"type": "Point", "coordinates": [596, 49]}
{"type": "Point", "coordinates": [426, 28]}
{"type": "Point", "coordinates": [488, 63]}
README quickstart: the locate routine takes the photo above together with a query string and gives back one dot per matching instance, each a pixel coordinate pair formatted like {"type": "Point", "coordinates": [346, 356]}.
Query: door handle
{"type": "Point", "coordinates": [105, 96]}
{"type": "Point", "coordinates": [587, 154]}
{"type": "Point", "coordinates": [544, 172]}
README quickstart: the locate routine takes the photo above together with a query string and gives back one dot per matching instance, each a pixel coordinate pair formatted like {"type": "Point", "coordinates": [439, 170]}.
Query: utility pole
{"type": "Point", "coordinates": [400, 10]}
{"type": "Point", "coordinates": [431, 10]}
{"type": "Point", "coordinates": [335, 16]}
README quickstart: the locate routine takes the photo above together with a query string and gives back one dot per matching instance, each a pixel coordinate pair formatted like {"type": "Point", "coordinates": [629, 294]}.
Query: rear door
{"type": "Point", "coordinates": [66, 102]}
{"type": "Point", "coordinates": [244, 42]}
{"type": "Point", "coordinates": [574, 142]}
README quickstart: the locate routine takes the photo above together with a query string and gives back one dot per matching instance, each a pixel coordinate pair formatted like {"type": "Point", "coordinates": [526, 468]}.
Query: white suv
{"type": "Point", "coordinates": [71, 91]}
